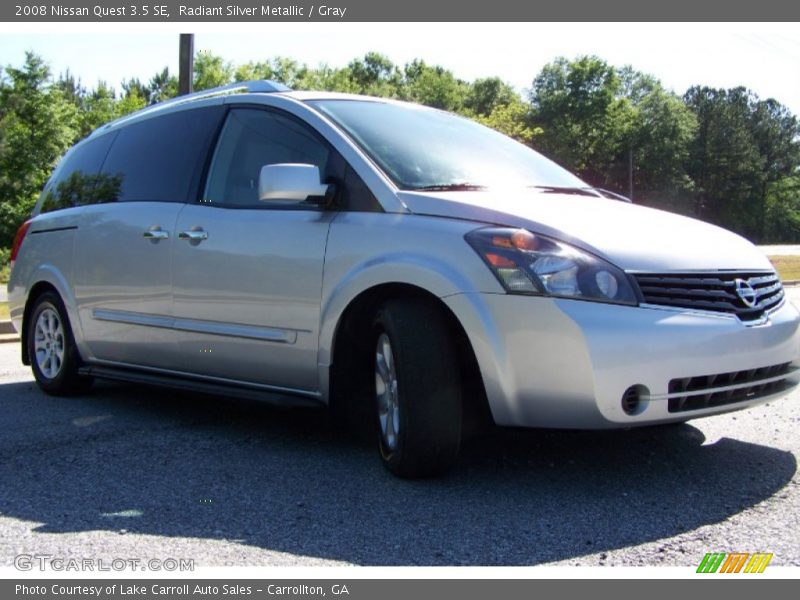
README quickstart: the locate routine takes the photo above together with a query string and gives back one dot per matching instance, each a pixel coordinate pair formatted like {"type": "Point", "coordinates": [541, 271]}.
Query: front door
{"type": "Point", "coordinates": [247, 276]}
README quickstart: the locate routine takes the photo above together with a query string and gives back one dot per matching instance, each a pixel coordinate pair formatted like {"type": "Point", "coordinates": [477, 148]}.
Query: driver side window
{"type": "Point", "coordinates": [250, 139]}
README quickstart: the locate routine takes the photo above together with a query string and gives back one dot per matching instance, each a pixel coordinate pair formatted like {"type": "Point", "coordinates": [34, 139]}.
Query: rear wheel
{"type": "Point", "coordinates": [51, 347]}
{"type": "Point", "coordinates": [417, 389]}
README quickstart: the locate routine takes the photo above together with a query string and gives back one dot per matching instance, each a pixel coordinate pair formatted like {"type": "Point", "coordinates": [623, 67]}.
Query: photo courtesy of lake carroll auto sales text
{"type": "Point", "coordinates": [178, 590]}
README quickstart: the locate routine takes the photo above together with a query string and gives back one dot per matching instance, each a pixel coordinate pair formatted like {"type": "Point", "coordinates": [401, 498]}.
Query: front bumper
{"type": "Point", "coordinates": [567, 363]}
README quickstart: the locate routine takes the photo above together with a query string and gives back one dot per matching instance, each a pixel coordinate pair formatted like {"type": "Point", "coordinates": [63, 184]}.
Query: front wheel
{"type": "Point", "coordinates": [51, 347]}
{"type": "Point", "coordinates": [418, 393]}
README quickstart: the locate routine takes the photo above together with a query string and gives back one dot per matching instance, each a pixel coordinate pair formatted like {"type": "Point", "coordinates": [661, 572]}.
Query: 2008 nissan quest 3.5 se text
{"type": "Point", "coordinates": [396, 262]}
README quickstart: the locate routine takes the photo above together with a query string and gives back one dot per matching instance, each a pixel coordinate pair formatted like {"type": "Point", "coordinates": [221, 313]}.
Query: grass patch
{"type": "Point", "coordinates": [788, 267]}
{"type": "Point", "coordinates": [4, 311]}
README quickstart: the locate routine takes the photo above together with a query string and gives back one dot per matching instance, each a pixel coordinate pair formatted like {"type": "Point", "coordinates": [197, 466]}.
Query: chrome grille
{"type": "Point", "coordinates": [706, 391]}
{"type": "Point", "coordinates": [714, 291]}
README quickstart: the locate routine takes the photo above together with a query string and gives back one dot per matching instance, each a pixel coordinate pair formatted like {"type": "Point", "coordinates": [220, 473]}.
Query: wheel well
{"type": "Point", "coordinates": [356, 322]}
{"type": "Point", "coordinates": [36, 291]}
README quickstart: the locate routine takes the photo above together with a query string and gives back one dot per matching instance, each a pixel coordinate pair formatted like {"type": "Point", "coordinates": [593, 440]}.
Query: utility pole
{"type": "Point", "coordinates": [186, 64]}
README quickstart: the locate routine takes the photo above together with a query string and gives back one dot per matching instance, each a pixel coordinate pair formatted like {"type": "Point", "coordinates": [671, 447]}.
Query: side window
{"type": "Point", "coordinates": [250, 139]}
{"type": "Point", "coordinates": [356, 196]}
{"type": "Point", "coordinates": [162, 158]}
{"type": "Point", "coordinates": [352, 193]}
{"type": "Point", "coordinates": [78, 180]}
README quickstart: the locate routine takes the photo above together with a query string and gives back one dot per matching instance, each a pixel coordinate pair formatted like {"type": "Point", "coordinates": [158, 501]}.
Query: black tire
{"type": "Point", "coordinates": [59, 377]}
{"type": "Point", "coordinates": [428, 390]}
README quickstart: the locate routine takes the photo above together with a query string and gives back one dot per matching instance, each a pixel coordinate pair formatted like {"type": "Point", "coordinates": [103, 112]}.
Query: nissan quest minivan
{"type": "Point", "coordinates": [411, 269]}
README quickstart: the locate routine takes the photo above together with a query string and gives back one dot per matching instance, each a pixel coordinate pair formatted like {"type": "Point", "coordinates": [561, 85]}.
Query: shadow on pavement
{"type": "Point", "coordinates": [160, 463]}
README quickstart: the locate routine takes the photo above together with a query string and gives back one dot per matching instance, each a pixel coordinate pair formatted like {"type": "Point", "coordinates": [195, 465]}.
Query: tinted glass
{"type": "Point", "coordinates": [419, 147]}
{"type": "Point", "coordinates": [78, 180]}
{"type": "Point", "coordinates": [352, 193]}
{"type": "Point", "coordinates": [356, 195]}
{"type": "Point", "coordinates": [250, 139]}
{"type": "Point", "coordinates": [162, 158]}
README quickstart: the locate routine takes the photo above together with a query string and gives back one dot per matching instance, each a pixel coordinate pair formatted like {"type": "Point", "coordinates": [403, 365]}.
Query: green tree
{"type": "Point", "coordinates": [375, 75]}
{"type": "Point", "coordinates": [284, 70]}
{"type": "Point", "coordinates": [37, 125]}
{"type": "Point", "coordinates": [99, 107]}
{"type": "Point", "coordinates": [72, 89]}
{"type": "Point", "coordinates": [723, 158]}
{"type": "Point", "coordinates": [599, 120]}
{"type": "Point", "coordinates": [660, 129]}
{"type": "Point", "coordinates": [486, 95]}
{"type": "Point", "coordinates": [332, 80]}
{"type": "Point", "coordinates": [134, 87]}
{"type": "Point", "coordinates": [512, 118]}
{"type": "Point", "coordinates": [776, 133]}
{"type": "Point", "coordinates": [743, 146]}
{"type": "Point", "coordinates": [254, 70]}
{"type": "Point", "coordinates": [782, 214]}
{"type": "Point", "coordinates": [585, 121]}
{"type": "Point", "coordinates": [133, 100]}
{"type": "Point", "coordinates": [163, 86]}
{"type": "Point", "coordinates": [211, 71]}
{"type": "Point", "coordinates": [433, 86]}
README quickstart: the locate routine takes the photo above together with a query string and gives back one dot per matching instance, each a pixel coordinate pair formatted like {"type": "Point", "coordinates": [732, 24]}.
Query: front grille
{"type": "Point", "coordinates": [708, 391]}
{"type": "Point", "coordinates": [714, 291]}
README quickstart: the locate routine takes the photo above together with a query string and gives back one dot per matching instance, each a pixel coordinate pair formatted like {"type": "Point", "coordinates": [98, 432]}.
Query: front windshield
{"type": "Point", "coordinates": [422, 148]}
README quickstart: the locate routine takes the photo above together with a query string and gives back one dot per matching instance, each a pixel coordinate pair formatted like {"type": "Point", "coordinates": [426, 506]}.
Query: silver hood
{"type": "Point", "coordinates": [634, 238]}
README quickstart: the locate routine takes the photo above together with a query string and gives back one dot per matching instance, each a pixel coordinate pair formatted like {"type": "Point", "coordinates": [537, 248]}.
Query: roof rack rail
{"type": "Point", "coordinates": [256, 86]}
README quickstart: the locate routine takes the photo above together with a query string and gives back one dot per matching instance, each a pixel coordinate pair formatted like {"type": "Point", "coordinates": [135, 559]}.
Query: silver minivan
{"type": "Point", "coordinates": [411, 269]}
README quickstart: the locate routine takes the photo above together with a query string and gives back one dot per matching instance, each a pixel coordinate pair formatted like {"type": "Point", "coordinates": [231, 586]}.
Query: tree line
{"type": "Point", "coordinates": [722, 155]}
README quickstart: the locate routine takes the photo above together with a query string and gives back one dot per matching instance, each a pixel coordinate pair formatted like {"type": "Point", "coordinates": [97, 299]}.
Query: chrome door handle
{"type": "Point", "coordinates": [193, 235]}
{"type": "Point", "coordinates": [156, 234]}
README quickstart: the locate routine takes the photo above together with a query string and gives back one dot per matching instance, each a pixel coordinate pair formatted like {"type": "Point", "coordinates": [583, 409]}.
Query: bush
{"type": "Point", "coordinates": [5, 268]}
{"type": "Point", "coordinates": [782, 219]}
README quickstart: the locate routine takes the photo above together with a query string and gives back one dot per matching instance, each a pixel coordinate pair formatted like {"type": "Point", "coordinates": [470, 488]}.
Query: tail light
{"type": "Point", "coordinates": [23, 229]}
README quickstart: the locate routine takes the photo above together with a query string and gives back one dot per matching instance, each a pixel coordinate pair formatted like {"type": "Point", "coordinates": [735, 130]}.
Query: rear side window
{"type": "Point", "coordinates": [162, 158]}
{"type": "Point", "coordinates": [251, 139]}
{"type": "Point", "coordinates": [78, 180]}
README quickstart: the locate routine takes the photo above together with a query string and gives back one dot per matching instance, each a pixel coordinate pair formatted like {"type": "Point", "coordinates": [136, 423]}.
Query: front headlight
{"type": "Point", "coordinates": [527, 263]}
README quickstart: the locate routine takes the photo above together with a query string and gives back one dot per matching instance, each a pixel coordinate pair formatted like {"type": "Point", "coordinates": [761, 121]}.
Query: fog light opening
{"type": "Point", "coordinates": [634, 400]}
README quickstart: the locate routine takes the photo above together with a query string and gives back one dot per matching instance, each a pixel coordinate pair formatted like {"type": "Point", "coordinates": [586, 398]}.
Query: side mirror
{"type": "Point", "coordinates": [290, 181]}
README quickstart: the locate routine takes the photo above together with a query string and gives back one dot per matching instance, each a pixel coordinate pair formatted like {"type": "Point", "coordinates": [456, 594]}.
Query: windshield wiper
{"type": "Point", "coordinates": [582, 191]}
{"type": "Point", "coordinates": [547, 189]}
{"type": "Point", "coordinates": [450, 187]}
{"type": "Point", "coordinates": [575, 191]}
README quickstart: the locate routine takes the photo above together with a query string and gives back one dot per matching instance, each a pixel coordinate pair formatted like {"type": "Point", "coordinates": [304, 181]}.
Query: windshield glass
{"type": "Point", "coordinates": [422, 148]}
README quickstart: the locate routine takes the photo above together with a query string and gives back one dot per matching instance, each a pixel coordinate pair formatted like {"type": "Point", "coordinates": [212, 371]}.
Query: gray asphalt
{"type": "Point", "coordinates": [134, 472]}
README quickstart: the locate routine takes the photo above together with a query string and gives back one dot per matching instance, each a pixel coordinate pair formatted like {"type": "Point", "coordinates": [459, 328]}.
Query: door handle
{"type": "Point", "coordinates": [156, 234]}
{"type": "Point", "coordinates": [193, 235]}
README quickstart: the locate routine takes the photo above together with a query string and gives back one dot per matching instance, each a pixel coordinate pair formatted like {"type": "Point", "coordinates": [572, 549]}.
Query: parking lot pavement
{"type": "Point", "coordinates": [128, 471]}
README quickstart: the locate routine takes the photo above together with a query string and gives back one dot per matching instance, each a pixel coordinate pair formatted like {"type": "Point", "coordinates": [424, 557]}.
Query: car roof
{"type": "Point", "coordinates": [219, 94]}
